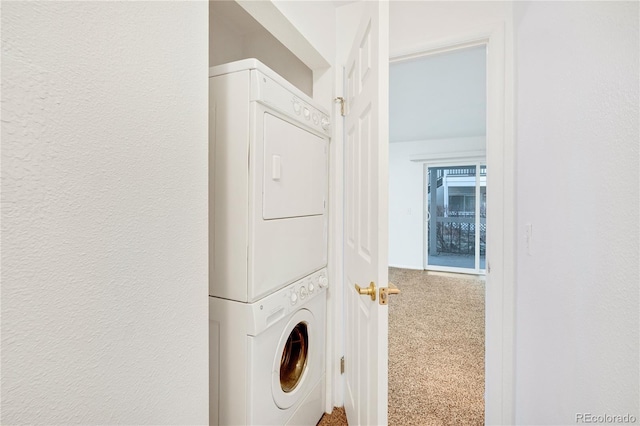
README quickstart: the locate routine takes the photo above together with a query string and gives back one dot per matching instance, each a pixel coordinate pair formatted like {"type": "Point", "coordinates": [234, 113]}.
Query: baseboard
{"type": "Point", "coordinates": [453, 274]}
{"type": "Point", "coordinates": [407, 267]}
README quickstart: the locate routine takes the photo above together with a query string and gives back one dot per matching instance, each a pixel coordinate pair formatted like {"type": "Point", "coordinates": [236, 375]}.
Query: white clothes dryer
{"type": "Point", "coordinates": [269, 147]}
{"type": "Point", "coordinates": [267, 359]}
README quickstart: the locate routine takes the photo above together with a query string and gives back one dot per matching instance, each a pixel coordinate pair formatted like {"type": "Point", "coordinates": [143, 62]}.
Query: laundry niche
{"type": "Point", "coordinates": [234, 35]}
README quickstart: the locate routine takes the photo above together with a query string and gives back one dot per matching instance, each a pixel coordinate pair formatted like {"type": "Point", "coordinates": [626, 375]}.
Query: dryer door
{"type": "Point", "coordinates": [288, 224]}
{"type": "Point", "coordinates": [295, 170]}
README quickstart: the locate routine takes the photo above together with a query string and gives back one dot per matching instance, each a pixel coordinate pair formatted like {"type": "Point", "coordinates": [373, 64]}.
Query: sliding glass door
{"type": "Point", "coordinates": [455, 218]}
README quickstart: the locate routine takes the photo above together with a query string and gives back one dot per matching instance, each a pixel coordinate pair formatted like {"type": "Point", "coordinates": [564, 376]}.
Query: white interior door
{"type": "Point", "coordinates": [366, 218]}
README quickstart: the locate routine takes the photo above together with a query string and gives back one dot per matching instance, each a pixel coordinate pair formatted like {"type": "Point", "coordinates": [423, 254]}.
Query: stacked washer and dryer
{"type": "Point", "coordinates": [268, 187]}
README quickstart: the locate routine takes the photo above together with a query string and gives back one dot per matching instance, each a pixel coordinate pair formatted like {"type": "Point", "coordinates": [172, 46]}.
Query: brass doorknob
{"type": "Point", "coordinates": [385, 292]}
{"type": "Point", "coordinates": [368, 291]}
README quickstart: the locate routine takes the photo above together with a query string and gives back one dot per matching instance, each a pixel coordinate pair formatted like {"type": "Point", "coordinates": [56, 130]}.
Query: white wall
{"type": "Point", "coordinates": [226, 36]}
{"type": "Point", "coordinates": [315, 20]}
{"type": "Point", "coordinates": [415, 24]}
{"type": "Point", "coordinates": [104, 213]}
{"type": "Point", "coordinates": [273, 54]}
{"type": "Point", "coordinates": [439, 96]}
{"type": "Point", "coordinates": [235, 35]}
{"type": "Point", "coordinates": [307, 29]}
{"type": "Point", "coordinates": [406, 180]}
{"type": "Point", "coordinates": [577, 297]}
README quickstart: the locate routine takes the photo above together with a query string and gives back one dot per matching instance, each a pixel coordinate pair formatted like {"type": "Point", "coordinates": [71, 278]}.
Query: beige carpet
{"type": "Point", "coordinates": [337, 418]}
{"type": "Point", "coordinates": [436, 351]}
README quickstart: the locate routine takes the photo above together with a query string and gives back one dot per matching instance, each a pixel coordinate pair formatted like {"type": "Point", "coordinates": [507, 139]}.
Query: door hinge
{"type": "Point", "coordinates": [342, 365]}
{"type": "Point", "coordinates": [342, 105]}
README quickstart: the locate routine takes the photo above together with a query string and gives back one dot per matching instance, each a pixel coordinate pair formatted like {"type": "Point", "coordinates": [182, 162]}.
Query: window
{"type": "Point", "coordinates": [455, 224]}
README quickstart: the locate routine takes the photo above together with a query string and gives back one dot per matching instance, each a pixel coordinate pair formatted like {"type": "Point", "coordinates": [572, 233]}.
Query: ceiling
{"type": "Point", "coordinates": [438, 96]}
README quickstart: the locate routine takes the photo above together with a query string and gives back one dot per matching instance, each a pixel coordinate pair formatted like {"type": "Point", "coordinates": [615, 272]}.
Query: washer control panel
{"type": "Point", "coordinates": [306, 288]}
{"type": "Point", "coordinates": [284, 301]}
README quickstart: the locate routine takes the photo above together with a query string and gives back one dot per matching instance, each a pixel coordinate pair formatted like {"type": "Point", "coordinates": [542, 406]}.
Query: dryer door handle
{"type": "Point", "coordinates": [276, 167]}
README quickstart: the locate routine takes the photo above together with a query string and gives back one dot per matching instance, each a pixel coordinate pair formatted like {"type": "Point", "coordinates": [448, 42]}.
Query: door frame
{"type": "Point", "coordinates": [501, 260]}
{"type": "Point", "coordinates": [500, 161]}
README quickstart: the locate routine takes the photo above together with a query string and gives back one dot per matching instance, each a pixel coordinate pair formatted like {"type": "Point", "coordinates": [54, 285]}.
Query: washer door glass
{"type": "Point", "coordinates": [294, 357]}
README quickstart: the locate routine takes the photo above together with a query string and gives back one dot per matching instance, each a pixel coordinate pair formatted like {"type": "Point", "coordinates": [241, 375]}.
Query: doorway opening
{"type": "Point", "coordinates": [437, 234]}
{"type": "Point", "coordinates": [438, 121]}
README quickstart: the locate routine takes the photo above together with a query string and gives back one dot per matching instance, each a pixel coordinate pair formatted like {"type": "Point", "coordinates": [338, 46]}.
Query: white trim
{"type": "Point", "coordinates": [477, 36]}
{"type": "Point", "coordinates": [477, 213]}
{"type": "Point", "coordinates": [451, 157]}
{"type": "Point", "coordinates": [438, 49]}
{"type": "Point", "coordinates": [335, 302]}
{"type": "Point", "coordinates": [425, 217]}
{"type": "Point", "coordinates": [465, 271]}
{"type": "Point", "coordinates": [500, 301]}
{"type": "Point", "coordinates": [500, 161]}
{"type": "Point", "coordinates": [457, 275]}
{"type": "Point", "coordinates": [413, 268]}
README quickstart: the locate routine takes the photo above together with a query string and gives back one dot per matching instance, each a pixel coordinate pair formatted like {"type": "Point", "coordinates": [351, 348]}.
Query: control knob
{"type": "Point", "coordinates": [306, 113]}
{"type": "Point", "coordinates": [303, 292]}
{"type": "Point", "coordinates": [297, 107]}
{"type": "Point", "coordinates": [322, 281]}
{"type": "Point", "coordinates": [294, 298]}
{"type": "Point", "coordinates": [324, 123]}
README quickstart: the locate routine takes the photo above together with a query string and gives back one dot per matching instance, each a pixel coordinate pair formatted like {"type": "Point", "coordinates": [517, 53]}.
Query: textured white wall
{"type": "Point", "coordinates": [406, 230]}
{"type": "Point", "coordinates": [104, 213]}
{"type": "Point", "coordinates": [577, 127]}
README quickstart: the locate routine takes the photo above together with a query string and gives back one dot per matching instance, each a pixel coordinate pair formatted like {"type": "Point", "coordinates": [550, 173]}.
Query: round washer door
{"type": "Point", "coordinates": [292, 359]}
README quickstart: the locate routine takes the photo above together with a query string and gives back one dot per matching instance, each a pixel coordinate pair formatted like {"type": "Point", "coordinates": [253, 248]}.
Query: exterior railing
{"type": "Point", "coordinates": [457, 235]}
{"type": "Point", "coordinates": [459, 171]}
{"type": "Point", "coordinates": [462, 171]}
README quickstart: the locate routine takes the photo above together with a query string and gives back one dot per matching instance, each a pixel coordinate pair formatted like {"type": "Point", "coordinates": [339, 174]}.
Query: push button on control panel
{"type": "Point", "coordinates": [322, 281]}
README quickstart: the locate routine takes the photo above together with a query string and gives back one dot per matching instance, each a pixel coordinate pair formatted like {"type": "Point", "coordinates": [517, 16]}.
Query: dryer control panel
{"type": "Point", "coordinates": [288, 100]}
{"type": "Point", "coordinates": [280, 304]}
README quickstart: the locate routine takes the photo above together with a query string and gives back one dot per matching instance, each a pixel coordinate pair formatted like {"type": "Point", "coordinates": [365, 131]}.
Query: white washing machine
{"type": "Point", "coordinates": [269, 147]}
{"type": "Point", "coordinates": [267, 363]}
